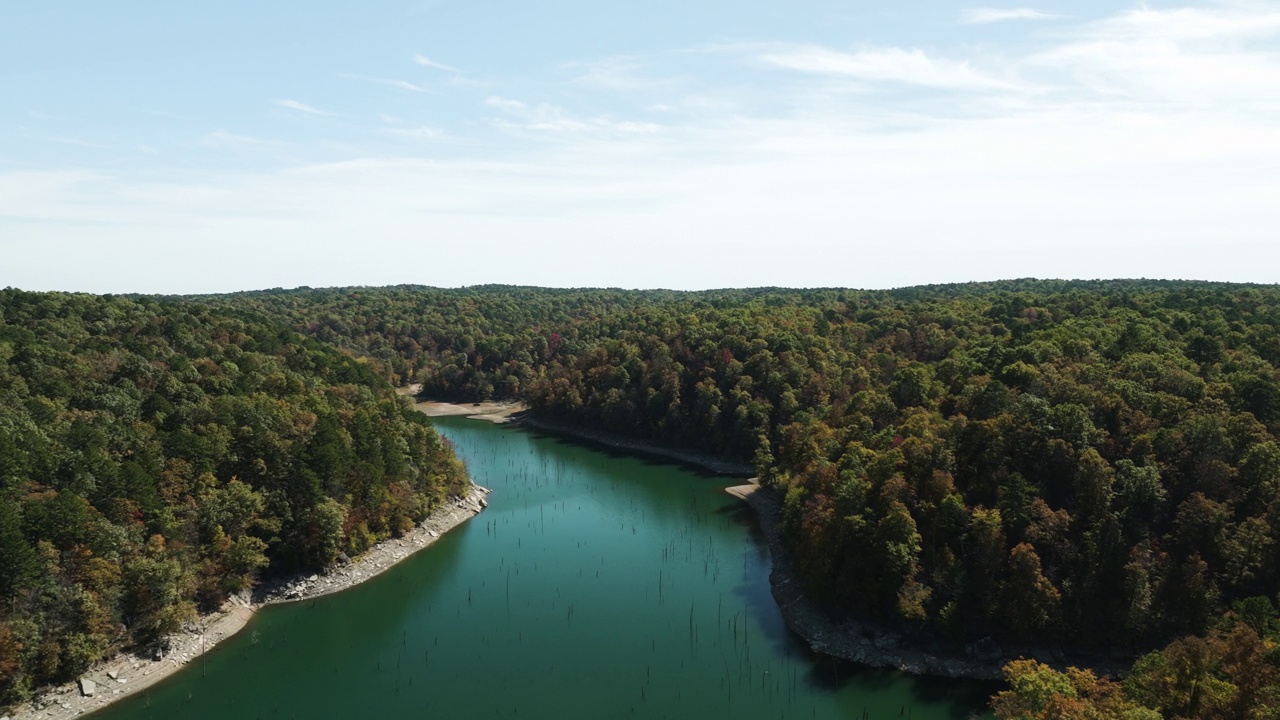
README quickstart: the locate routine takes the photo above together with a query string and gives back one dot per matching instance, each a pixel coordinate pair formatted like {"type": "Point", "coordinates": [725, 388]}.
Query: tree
{"type": "Point", "coordinates": [1031, 600]}
{"type": "Point", "coordinates": [1038, 692]}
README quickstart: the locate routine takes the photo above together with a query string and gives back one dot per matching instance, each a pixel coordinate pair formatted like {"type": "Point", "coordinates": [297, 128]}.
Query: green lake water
{"type": "Point", "coordinates": [594, 586]}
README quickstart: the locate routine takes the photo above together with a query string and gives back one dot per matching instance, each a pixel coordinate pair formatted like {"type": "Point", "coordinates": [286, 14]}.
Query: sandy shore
{"type": "Point", "coordinates": [743, 492]}
{"type": "Point", "coordinates": [127, 674]}
{"type": "Point", "coordinates": [494, 412]}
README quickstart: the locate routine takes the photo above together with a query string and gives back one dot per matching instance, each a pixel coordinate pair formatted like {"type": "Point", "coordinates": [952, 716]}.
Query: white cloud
{"type": "Point", "coordinates": [548, 118]}
{"type": "Point", "coordinates": [415, 133]}
{"type": "Point", "coordinates": [428, 62]}
{"type": "Point", "coordinates": [984, 15]}
{"type": "Point", "coordinates": [888, 64]}
{"type": "Point", "coordinates": [506, 104]}
{"type": "Point", "coordinates": [616, 74]}
{"type": "Point", "coordinates": [390, 82]}
{"type": "Point", "coordinates": [1143, 144]}
{"type": "Point", "coordinates": [1222, 55]}
{"type": "Point", "coordinates": [227, 141]}
{"type": "Point", "coordinates": [300, 107]}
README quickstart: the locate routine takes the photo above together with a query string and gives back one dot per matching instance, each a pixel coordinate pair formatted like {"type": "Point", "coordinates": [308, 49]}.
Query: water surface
{"type": "Point", "coordinates": [594, 586]}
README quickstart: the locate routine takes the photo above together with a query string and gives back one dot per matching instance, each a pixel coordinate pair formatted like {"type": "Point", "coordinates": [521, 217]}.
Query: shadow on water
{"type": "Point", "coordinates": [597, 584]}
{"type": "Point", "coordinates": [967, 698]}
{"type": "Point", "coordinates": [831, 673]}
{"type": "Point", "coordinates": [652, 458]}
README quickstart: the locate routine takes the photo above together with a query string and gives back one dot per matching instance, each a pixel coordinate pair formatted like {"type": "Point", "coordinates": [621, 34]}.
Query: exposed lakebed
{"type": "Point", "coordinates": [595, 585]}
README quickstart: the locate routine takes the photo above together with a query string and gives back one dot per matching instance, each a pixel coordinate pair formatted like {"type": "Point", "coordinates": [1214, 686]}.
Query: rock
{"type": "Point", "coordinates": [88, 687]}
{"type": "Point", "coordinates": [113, 674]}
{"type": "Point", "coordinates": [313, 578]}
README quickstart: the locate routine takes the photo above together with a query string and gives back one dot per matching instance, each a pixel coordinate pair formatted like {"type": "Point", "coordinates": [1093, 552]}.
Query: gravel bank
{"type": "Point", "coordinates": [127, 673]}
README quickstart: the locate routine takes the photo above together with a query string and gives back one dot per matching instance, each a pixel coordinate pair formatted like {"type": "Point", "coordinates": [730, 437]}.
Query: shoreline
{"type": "Point", "coordinates": [498, 413]}
{"type": "Point", "coordinates": [517, 413]}
{"type": "Point", "coordinates": [707, 462]}
{"type": "Point", "coordinates": [874, 646]}
{"type": "Point", "coordinates": [856, 641]}
{"type": "Point", "coordinates": [129, 673]}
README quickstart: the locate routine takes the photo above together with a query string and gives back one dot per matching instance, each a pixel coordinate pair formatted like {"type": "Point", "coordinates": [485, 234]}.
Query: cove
{"type": "Point", "coordinates": [595, 585]}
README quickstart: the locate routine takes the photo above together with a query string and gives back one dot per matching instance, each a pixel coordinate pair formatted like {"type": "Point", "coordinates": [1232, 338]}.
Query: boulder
{"type": "Point", "coordinates": [113, 674]}
{"type": "Point", "coordinates": [88, 687]}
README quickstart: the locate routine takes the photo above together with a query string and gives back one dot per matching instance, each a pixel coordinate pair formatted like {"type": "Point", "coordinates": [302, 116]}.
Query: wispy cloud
{"type": "Point", "coordinates": [548, 118]}
{"type": "Point", "coordinates": [887, 64]}
{"type": "Point", "coordinates": [1219, 55]}
{"type": "Point", "coordinates": [299, 106]}
{"type": "Point", "coordinates": [79, 142]}
{"type": "Point", "coordinates": [425, 61]}
{"type": "Point", "coordinates": [985, 15]}
{"type": "Point", "coordinates": [417, 133]}
{"type": "Point", "coordinates": [506, 104]}
{"type": "Point", "coordinates": [1124, 146]}
{"type": "Point", "coordinates": [37, 115]}
{"type": "Point", "coordinates": [228, 141]}
{"type": "Point", "coordinates": [616, 74]}
{"type": "Point", "coordinates": [389, 82]}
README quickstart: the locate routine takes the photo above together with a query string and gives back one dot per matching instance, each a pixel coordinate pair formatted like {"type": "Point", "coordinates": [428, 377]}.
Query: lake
{"type": "Point", "coordinates": [595, 585]}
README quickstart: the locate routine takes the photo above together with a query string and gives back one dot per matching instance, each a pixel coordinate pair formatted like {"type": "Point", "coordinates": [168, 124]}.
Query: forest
{"type": "Point", "coordinates": [1090, 465]}
{"type": "Point", "coordinates": [156, 458]}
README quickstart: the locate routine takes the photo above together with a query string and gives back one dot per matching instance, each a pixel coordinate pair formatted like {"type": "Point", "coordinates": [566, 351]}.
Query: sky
{"type": "Point", "coordinates": [162, 147]}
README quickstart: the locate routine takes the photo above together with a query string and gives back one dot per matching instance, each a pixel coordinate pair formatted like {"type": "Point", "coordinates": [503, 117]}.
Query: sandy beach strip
{"type": "Point", "coordinates": [128, 674]}
{"type": "Point", "coordinates": [494, 412]}
{"type": "Point", "coordinates": [498, 413]}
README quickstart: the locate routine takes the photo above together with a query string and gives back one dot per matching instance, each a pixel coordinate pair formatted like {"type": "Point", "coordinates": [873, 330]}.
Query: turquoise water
{"type": "Point", "coordinates": [594, 586]}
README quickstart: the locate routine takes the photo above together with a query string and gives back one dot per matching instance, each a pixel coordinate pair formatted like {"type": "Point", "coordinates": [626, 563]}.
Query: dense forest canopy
{"type": "Point", "coordinates": [156, 457]}
{"type": "Point", "coordinates": [1082, 464]}
{"type": "Point", "coordinates": [1087, 463]}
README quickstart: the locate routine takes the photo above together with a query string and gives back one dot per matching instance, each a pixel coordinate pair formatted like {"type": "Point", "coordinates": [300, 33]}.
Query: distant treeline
{"type": "Point", "coordinates": [155, 457]}
{"type": "Point", "coordinates": [1087, 463]}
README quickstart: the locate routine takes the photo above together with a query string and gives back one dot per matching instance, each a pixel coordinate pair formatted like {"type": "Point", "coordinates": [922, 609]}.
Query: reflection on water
{"type": "Point", "coordinates": [594, 586]}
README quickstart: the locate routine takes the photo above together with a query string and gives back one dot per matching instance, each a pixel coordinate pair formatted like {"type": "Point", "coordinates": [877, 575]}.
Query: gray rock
{"type": "Point", "coordinates": [88, 687]}
{"type": "Point", "coordinates": [113, 674]}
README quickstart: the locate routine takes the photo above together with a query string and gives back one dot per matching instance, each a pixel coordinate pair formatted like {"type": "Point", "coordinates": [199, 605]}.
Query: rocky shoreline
{"type": "Point", "coordinates": [130, 673]}
{"type": "Point", "coordinates": [874, 646]}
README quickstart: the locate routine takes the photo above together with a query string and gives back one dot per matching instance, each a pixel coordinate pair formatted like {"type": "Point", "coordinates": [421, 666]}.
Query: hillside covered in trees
{"type": "Point", "coordinates": [1086, 463]}
{"type": "Point", "coordinates": [156, 457]}
{"type": "Point", "coordinates": [1091, 465]}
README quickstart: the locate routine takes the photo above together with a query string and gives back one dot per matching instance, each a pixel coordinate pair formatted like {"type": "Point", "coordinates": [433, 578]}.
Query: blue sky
{"type": "Point", "coordinates": [168, 147]}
